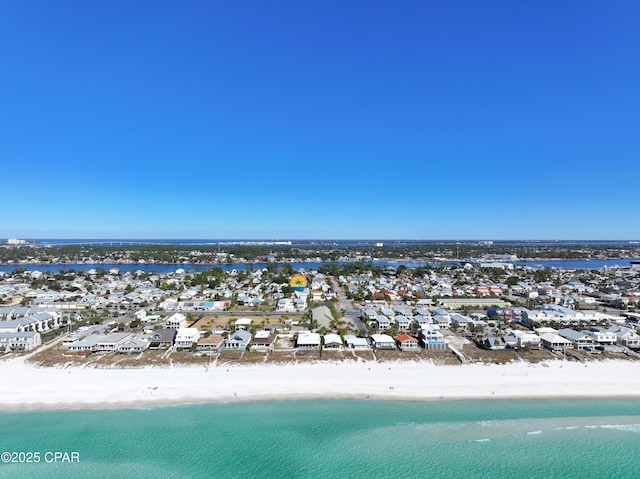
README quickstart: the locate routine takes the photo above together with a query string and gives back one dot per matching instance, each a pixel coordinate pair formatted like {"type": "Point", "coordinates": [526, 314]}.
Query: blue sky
{"type": "Point", "coordinates": [332, 119]}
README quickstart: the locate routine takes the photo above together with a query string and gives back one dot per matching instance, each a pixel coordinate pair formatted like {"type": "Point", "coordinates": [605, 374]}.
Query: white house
{"type": "Point", "coordinates": [20, 341]}
{"type": "Point", "coordinates": [383, 341]}
{"type": "Point", "coordinates": [354, 342]}
{"type": "Point", "coordinates": [111, 342]}
{"type": "Point", "coordinates": [402, 321]}
{"type": "Point", "coordinates": [308, 341]}
{"type": "Point", "coordinates": [555, 342]}
{"type": "Point", "coordinates": [580, 340]}
{"type": "Point", "coordinates": [177, 321]}
{"type": "Point", "coordinates": [626, 336]}
{"type": "Point", "coordinates": [242, 323]}
{"type": "Point", "coordinates": [87, 344]}
{"type": "Point", "coordinates": [422, 321]}
{"type": "Point", "coordinates": [185, 337]}
{"type": "Point", "coordinates": [602, 336]}
{"type": "Point", "coordinates": [431, 338]}
{"type": "Point", "coordinates": [382, 322]}
{"type": "Point", "coordinates": [442, 318]}
{"type": "Point", "coordinates": [136, 344]}
{"type": "Point", "coordinates": [286, 305]}
{"type": "Point", "coordinates": [262, 341]}
{"type": "Point", "coordinates": [332, 341]}
{"type": "Point", "coordinates": [526, 339]}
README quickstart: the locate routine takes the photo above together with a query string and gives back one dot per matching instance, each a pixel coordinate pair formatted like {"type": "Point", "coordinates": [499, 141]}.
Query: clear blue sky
{"type": "Point", "coordinates": [320, 119]}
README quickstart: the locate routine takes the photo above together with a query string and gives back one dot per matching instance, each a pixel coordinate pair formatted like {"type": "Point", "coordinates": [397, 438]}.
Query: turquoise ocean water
{"type": "Point", "coordinates": [332, 438]}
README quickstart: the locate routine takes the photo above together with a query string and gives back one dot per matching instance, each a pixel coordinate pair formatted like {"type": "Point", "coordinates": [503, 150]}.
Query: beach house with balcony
{"type": "Point", "coordinates": [407, 342]}
{"type": "Point", "coordinates": [238, 340]}
{"type": "Point", "coordinates": [186, 337]}
{"type": "Point", "coordinates": [20, 341]}
{"type": "Point", "coordinates": [162, 338]}
{"type": "Point", "coordinates": [431, 338]}
{"type": "Point", "coordinates": [262, 341]}
{"type": "Point", "coordinates": [626, 336]}
{"type": "Point", "coordinates": [332, 341]}
{"type": "Point", "coordinates": [580, 340]}
{"type": "Point", "coordinates": [177, 321]}
{"type": "Point", "coordinates": [383, 341]}
{"type": "Point", "coordinates": [308, 341]}
{"type": "Point", "coordinates": [213, 343]}
{"type": "Point", "coordinates": [356, 343]}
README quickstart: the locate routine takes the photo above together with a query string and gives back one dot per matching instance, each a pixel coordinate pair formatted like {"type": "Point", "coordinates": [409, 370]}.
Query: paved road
{"type": "Point", "coordinates": [352, 314]}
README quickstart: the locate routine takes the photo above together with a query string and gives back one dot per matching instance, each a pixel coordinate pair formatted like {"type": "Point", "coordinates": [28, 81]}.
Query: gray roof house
{"type": "Point", "coordinates": [238, 340]}
{"type": "Point", "coordinates": [137, 344]}
{"type": "Point", "coordinates": [626, 336]}
{"type": "Point", "coordinates": [162, 338]}
{"type": "Point", "coordinates": [402, 321]}
{"type": "Point", "coordinates": [579, 340]}
{"type": "Point", "coordinates": [383, 322]}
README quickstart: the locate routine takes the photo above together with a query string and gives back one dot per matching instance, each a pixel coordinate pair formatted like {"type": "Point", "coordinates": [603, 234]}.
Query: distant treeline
{"type": "Point", "coordinates": [205, 254]}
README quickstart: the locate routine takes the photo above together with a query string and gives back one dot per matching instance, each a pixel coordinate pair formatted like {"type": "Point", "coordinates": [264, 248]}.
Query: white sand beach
{"type": "Point", "coordinates": [28, 387]}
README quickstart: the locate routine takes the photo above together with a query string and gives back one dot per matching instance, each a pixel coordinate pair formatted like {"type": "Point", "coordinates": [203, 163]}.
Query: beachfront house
{"type": "Point", "coordinates": [186, 337]}
{"type": "Point", "coordinates": [19, 341]}
{"type": "Point", "coordinates": [626, 336]}
{"type": "Point", "coordinates": [87, 344]}
{"type": "Point", "coordinates": [407, 343]}
{"type": "Point", "coordinates": [162, 338]}
{"type": "Point", "coordinates": [526, 339]}
{"type": "Point", "coordinates": [493, 342]}
{"type": "Point", "coordinates": [111, 342]}
{"type": "Point", "coordinates": [213, 343]}
{"type": "Point", "coordinates": [602, 336]}
{"type": "Point", "coordinates": [238, 340]}
{"type": "Point", "coordinates": [135, 345]}
{"type": "Point", "coordinates": [431, 338]}
{"type": "Point", "coordinates": [579, 340]}
{"type": "Point", "coordinates": [554, 342]}
{"type": "Point", "coordinates": [332, 341]}
{"type": "Point", "coordinates": [262, 341]}
{"type": "Point", "coordinates": [383, 341]}
{"type": "Point", "coordinates": [308, 341]}
{"type": "Point", "coordinates": [354, 342]}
